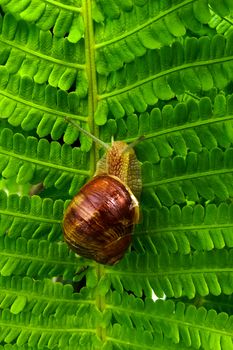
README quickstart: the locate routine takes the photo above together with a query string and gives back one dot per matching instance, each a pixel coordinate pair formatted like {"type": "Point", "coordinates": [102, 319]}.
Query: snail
{"type": "Point", "coordinates": [99, 221]}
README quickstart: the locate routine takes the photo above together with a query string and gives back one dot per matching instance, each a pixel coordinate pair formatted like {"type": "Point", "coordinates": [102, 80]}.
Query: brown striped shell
{"type": "Point", "coordinates": [99, 221]}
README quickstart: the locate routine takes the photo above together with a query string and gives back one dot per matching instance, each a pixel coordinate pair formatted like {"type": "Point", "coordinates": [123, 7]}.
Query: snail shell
{"type": "Point", "coordinates": [99, 221]}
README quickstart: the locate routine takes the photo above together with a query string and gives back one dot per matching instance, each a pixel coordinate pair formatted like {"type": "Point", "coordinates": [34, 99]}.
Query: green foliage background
{"type": "Point", "coordinates": [159, 68]}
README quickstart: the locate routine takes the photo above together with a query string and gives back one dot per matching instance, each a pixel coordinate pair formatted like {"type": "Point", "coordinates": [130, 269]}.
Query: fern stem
{"type": "Point", "coordinates": [100, 303]}
{"type": "Point", "coordinates": [92, 104]}
{"type": "Point", "coordinates": [91, 73]}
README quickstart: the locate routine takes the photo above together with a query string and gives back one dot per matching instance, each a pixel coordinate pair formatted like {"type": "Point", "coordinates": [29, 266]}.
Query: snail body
{"type": "Point", "coordinates": [99, 221]}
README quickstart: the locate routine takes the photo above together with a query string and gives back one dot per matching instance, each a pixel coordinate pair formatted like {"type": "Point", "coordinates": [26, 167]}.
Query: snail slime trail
{"type": "Point", "coordinates": [99, 221]}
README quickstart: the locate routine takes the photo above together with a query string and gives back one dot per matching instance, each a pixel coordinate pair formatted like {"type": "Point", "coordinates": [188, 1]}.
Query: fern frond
{"type": "Point", "coordinates": [20, 106]}
{"type": "Point", "coordinates": [34, 161]}
{"type": "Point", "coordinates": [41, 332]}
{"type": "Point", "coordinates": [174, 275]}
{"type": "Point", "coordinates": [185, 229]}
{"type": "Point", "coordinates": [187, 326]}
{"type": "Point", "coordinates": [132, 28]}
{"type": "Point", "coordinates": [33, 220]}
{"type": "Point", "coordinates": [36, 53]}
{"type": "Point", "coordinates": [64, 19]}
{"type": "Point", "coordinates": [43, 297]}
{"type": "Point", "coordinates": [133, 67]}
{"type": "Point", "coordinates": [37, 258]}
{"type": "Point", "coordinates": [30, 216]}
{"type": "Point", "coordinates": [196, 65]}
{"type": "Point", "coordinates": [40, 79]}
{"type": "Point", "coordinates": [206, 175]}
{"type": "Point", "coordinates": [179, 128]}
{"type": "Point", "coordinates": [162, 324]}
{"type": "Point", "coordinates": [129, 33]}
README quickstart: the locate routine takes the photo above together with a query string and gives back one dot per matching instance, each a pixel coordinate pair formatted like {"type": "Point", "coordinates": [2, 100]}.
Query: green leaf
{"type": "Point", "coordinates": [158, 76]}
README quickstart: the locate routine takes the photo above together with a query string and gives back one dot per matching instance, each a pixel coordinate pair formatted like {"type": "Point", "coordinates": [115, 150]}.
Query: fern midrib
{"type": "Point", "coordinates": [58, 167]}
{"type": "Point", "coordinates": [91, 72]}
{"type": "Point", "coordinates": [39, 296]}
{"type": "Point", "coordinates": [40, 55]}
{"type": "Point", "coordinates": [63, 6]}
{"type": "Point", "coordinates": [45, 329]}
{"type": "Point", "coordinates": [92, 104]}
{"type": "Point", "coordinates": [100, 303]}
{"type": "Point", "coordinates": [188, 177]}
{"type": "Point", "coordinates": [30, 217]}
{"type": "Point", "coordinates": [164, 73]}
{"type": "Point", "coordinates": [162, 272]}
{"type": "Point", "coordinates": [192, 125]}
{"type": "Point", "coordinates": [43, 109]}
{"type": "Point", "coordinates": [182, 228]}
{"type": "Point", "coordinates": [144, 25]}
{"type": "Point", "coordinates": [170, 320]}
{"type": "Point", "coordinates": [44, 260]}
